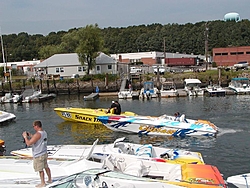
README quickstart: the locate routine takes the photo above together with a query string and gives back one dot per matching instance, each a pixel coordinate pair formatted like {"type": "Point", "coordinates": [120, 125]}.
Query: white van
{"type": "Point", "coordinates": [134, 70]}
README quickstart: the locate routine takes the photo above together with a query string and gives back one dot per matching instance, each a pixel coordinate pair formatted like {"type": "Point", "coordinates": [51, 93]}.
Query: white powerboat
{"type": "Point", "coordinates": [168, 89]}
{"type": "Point", "coordinates": [30, 95]}
{"type": "Point", "coordinates": [241, 180]}
{"type": "Point", "coordinates": [6, 116]}
{"type": "Point", "coordinates": [162, 125]}
{"type": "Point", "coordinates": [147, 151]}
{"type": "Point", "coordinates": [215, 90]}
{"type": "Point", "coordinates": [192, 87]}
{"type": "Point", "coordinates": [128, 94]}
{"type": "Point", "coordinates": [240, 85]}
{"type": "Point", "coordinates": [11, 98]}
{"type": "Point", "coordinates": [149, 90]}
{"type": "Point", "coordinates": [186, 175]}
{"type": "Point", "coordinates": [95, 177]}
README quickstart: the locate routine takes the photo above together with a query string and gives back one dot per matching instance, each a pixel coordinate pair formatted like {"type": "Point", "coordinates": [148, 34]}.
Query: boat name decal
{"type": "Point", "coordinates": [156, 129]}
{"type": "Point", "coordinates": [201, 180]}
{"type": "Point", "coordinates": [86, 118]}
{"type": "Point", "coordinates": [66, 114]}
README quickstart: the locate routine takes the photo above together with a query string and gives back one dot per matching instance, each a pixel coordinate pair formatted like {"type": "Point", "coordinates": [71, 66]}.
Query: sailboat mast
{"type": "Point", "coordinates": [5, 64]}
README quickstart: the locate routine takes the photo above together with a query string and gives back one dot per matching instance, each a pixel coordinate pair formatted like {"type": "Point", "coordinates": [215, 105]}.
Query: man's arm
{"type": "Point", "coordinates": [33, 139]}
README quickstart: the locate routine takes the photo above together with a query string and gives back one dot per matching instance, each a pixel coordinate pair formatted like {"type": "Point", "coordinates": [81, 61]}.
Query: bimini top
{"type": "Point", "coordinates": [192, 81]}
{"type": "Point", "coordinates": [238, 79]}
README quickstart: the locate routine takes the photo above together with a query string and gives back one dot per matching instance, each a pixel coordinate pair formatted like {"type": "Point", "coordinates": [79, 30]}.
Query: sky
{"type": "Point", "coordinates": [45, 16]}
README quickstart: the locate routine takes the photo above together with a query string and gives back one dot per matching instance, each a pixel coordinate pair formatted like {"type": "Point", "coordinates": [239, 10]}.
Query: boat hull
{"type": "Point", "coordinates": [241, 181]}
{"type": "Point", "coordinates": [163, 125]}
{"type": "Point", "coordinates": [84, 115]}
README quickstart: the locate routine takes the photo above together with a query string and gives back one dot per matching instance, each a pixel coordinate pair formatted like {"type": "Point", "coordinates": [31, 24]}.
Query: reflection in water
{"type": "Point", "coordinates": [83, 132]}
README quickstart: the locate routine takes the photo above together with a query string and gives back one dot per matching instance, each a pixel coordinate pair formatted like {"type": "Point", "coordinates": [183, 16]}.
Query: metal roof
{"type": "Point", "coordinates": [60, 60]}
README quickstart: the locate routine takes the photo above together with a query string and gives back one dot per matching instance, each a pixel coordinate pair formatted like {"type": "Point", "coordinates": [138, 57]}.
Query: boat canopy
{"type": "Point", "coordinates": [239, 79]}
{"type": "Point", "coordinates": [192, 81]}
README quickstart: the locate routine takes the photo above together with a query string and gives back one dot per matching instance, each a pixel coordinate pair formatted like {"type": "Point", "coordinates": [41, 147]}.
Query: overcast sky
{"type": "Point", "coordinates": [45, 16]}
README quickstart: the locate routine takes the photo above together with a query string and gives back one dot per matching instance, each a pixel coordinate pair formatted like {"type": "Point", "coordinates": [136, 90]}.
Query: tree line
{"type": "Point", "coordinates": [87, 41]}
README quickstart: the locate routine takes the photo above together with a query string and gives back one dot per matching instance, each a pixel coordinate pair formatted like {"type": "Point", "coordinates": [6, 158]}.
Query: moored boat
{"type": "Point", "coordinates": [149, 90]}
{"type": "Point", "coordinates": [162, 125]}
{"type": "Point", "coordinates": [240, 85]}
{"type": "Point", "coordinates": [6, 116]}
{"type": "Point", "coordinates": [85, 115]}
{"type": "Point", "coordinates": [192, 87]}
{"type": "Point", "coordinates": [168, 89]}
{"type": "Point", "coordinates": [240, 180]}
{"type": "Point", "coordinates": [215, 90]}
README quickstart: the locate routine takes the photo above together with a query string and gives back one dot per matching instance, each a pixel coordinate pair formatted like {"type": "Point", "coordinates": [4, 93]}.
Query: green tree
{"type": "Point", "coordinates": [90, 44]}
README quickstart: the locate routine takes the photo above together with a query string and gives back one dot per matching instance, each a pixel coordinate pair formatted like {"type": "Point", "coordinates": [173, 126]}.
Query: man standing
{"type": "Point", "coordinates": [39, 151]}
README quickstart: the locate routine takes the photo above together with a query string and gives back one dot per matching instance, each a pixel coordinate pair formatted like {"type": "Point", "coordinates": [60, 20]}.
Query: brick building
{"type": "Point", "coordinates": [231, 55]}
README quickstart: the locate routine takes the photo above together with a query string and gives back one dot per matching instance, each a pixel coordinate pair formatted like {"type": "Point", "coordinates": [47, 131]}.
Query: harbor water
{"type": "Point", "coordinates": [229, 151]}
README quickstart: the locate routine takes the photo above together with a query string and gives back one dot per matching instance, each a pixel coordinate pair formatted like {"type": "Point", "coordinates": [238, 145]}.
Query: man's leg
{"type": "Point", "coordinates": [48, 172]}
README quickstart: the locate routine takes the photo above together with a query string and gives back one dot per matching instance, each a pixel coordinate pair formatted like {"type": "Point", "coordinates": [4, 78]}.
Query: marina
{"type": "Point", "coordinates": [227, 112]}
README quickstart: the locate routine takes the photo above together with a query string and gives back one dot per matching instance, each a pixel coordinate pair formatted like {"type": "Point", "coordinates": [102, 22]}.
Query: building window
{"type": "Point", "coordinates": [247, 52]}
{"type": "Point", "coordinates": [225, 53]}
{"type": "Point", "coordinates": [97, 68]}
{"type": "Point", "coordinates": [109, 66]}
{"type": "Point", "coordinates": [61, 69]}
{"type": "Point", "coordinates": [233, 53]}
{"type": "Point", "coordinates": [57, 69]}
{"type": "Point", "coordinates": [79, 69]}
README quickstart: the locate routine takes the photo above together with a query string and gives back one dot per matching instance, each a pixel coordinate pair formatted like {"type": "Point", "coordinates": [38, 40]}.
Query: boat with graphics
{"type": "Point", "coordinates": [85, 115]}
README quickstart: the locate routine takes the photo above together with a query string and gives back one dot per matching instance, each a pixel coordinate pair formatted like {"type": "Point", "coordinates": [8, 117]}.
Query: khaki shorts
{"type": "Point", "coordinates": [40, 163]}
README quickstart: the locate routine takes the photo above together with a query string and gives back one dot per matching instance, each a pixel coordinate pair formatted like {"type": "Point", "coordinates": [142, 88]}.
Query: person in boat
{"type": "Point", "coordinates": [39, 151]}
{"type": "Point", "coordinates": [179, 117]}
{"type": "Point", "coordinates": [112, 108]}
{"type": "Point", "coordinates": [118, 109]}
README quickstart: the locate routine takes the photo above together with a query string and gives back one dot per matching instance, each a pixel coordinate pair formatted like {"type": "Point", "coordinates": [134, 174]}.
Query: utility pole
{"type": "Point", "coordinates": [5, 66]}
{"type": "Point", "coordinates": [206, 43]}
{"type": "Point", "coordinates": [164, 46]}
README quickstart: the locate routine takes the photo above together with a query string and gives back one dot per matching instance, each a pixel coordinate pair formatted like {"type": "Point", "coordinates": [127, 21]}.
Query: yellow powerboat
{"type": "Point", "coordinates": [86, 115]}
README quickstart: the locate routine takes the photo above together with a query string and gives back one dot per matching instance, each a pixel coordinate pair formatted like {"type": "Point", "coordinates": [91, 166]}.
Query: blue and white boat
{"type": "Point", "coordinates": [240, 85]}
{"type": "Point", "coordinates": [163, 125]}
{"type": "Point", "coordinates": [149, 90]}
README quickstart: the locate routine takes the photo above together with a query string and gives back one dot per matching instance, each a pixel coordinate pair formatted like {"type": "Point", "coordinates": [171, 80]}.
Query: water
{"type": "Point", "coordinates": [230, 151]}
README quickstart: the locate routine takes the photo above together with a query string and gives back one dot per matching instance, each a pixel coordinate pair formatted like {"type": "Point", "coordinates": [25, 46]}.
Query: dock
{"type": "Point", "coordinates": [91, 97]}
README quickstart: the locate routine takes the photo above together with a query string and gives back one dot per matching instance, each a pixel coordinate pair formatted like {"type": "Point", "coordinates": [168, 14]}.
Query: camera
{"type": "Point", "coordinates": [27, 134]}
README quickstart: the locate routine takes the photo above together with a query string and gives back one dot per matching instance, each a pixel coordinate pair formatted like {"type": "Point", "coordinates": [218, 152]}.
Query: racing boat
{"type": "Point", "coordinates": [6, 116]}
{"type": "Point", "coordinates": [187, 175]}
{"type": "Point", "coordinates": [146, 151]}
{"type": "Point", "coordinates": [162, 125]}
{"type": "Point", "coordinates": [85, 115]}
{"type": "Point", "coordinates": [241, 180]}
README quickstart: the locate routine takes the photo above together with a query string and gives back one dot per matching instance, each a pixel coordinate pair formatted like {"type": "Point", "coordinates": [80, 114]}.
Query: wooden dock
{"type": "Point", "coordinates": [91, 97]}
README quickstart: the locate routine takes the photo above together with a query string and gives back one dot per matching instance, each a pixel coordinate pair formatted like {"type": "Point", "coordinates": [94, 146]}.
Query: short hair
{"type": "Point", "coordinates": [37, 123]}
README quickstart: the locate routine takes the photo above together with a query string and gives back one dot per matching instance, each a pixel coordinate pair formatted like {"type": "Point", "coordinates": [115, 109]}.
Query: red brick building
{"type": "Point", "coordinates": [231, 55]}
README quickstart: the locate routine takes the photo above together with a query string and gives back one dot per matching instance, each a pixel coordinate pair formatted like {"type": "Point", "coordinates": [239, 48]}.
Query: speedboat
{"type": "Point", "coordinates": [2, 147]}
{"type": "Point", "coordinates": [215, 90]}
{"type": "Point", "coordinates": [146, 151]}
{"type": "Point", "coordinates": [128, 94]}
{"type": "Point", "coordinates": [192, 87]}
{"type": "Point", "coordinates": [85, 115]}
{"type": "Point", "coordinates": [168, 89]}
{"type": "Point", "coordinates": [149, 90]}
{"type": "Point", "coordinates": [11, 98]}
{"type": "Point", "coordinates": [162, 125]}
{"type": "Point", "coordinates": [187, 175]}
{"type": "Point", "coordinates": [103, 178]}
{"type": "Point", "coordinates": [241, 180]}
{"type": "Point", "coordinates": [6, 116]}
{"type": "Point", "coordinates": [240, 85]}
{"type": "Point", "coordinates": [30, 95]}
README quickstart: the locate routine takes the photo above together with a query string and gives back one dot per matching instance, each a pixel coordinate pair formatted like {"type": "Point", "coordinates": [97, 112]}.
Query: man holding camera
{"type": "Point", "coordinates": [39, 151]}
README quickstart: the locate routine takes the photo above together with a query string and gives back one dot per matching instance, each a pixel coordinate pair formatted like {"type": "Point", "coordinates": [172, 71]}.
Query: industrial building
{"type": "Point", "coordinates": [231, 55]}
